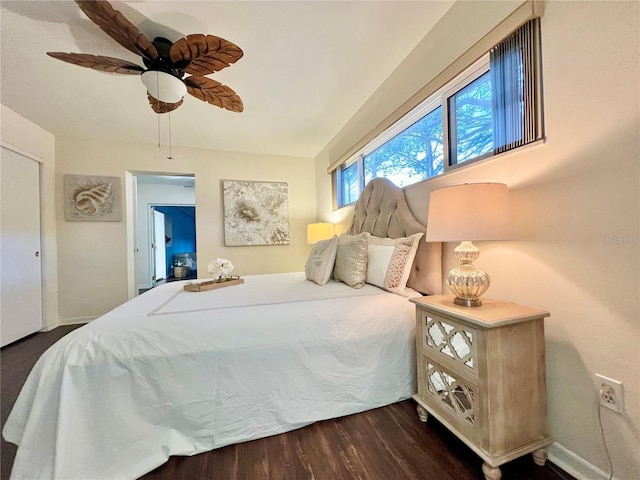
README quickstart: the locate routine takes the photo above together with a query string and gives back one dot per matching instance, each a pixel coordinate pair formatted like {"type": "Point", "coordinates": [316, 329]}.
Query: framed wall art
{"type": "Point", "coordinates": [255, 213]}
{"type": "Point", "coordinates": [92, 199]}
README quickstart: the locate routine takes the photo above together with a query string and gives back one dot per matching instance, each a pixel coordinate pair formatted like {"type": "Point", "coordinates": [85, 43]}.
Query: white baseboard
{"type": "Point", "coordinates": [67, 321]}
{"type": "Point", "coordinates": [575, 465]}
{"type": "Point", "coordinates": [76, 320]}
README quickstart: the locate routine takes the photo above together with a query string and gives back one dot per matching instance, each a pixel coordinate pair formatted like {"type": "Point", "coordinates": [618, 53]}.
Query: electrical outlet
{"type": "Point", "coordinates": [610, 393]}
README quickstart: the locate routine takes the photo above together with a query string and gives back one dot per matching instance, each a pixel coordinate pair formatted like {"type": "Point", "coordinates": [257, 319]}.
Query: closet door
{"type": "Point", "coordinates": [20, 263]}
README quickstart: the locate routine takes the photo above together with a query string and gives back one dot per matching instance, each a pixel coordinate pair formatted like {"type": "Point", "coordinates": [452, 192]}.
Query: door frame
{"type": "Point", "coordinates": [131, 209]}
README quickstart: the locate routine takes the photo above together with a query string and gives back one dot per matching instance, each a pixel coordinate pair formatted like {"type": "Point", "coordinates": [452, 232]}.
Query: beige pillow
{"type": "Point", "coordinates": [351, 260]}
{"type": "Point", "coordinates": [321, 259]}
{"type": "Point", "coordinates": [395, 257]}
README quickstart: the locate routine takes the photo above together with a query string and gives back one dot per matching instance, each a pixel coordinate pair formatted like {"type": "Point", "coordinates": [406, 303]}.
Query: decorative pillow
{"type": "Point", "coordinates": [321, 259]}
{"type": "Point", "coordinates": [351, 260]}
{"type": "Point", "coordinates": [395, 257]}
{"type": "Point", "coordinates": [378, 263]}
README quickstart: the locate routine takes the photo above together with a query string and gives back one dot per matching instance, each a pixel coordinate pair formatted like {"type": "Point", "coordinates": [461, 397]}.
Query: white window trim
{"type": "Point", "coordinates": [437, 99]}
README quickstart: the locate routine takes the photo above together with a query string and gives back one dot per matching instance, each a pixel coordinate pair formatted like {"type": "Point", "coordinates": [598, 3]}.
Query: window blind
{"type": "Point", "coordinates": [515, 80]}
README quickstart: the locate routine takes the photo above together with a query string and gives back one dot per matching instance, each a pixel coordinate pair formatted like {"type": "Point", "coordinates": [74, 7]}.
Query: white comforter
{"type": "Point", "coordinates": [178, 373]}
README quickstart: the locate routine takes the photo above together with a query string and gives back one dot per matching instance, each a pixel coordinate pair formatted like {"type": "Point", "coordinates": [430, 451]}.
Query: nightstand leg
{"type": "Point", "coordinates": [422, 413]}
{"type": "Point", "coordinates": [540, 457]}
{"type": "Point", "coordinates": [491, 473]}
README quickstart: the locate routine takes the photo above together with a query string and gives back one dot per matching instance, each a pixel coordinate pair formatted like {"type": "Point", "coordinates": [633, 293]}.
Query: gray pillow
{"type": "Point", "coordinates": [321, 259]}
{"type": "Point", "coordinates": [351, 260]}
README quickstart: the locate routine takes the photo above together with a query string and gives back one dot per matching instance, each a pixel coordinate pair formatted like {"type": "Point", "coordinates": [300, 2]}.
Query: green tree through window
{"type": "Point", "coordinates": [472, 120]}
{"type": "Point", "coordinates": [415, 154]}
{"type": "Point", "coordinates": [350, 187]}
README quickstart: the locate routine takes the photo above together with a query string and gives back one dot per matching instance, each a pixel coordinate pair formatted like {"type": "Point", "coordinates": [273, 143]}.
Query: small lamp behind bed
{"type": "Point", "coordinates": [473, 211]}
{"type": "Point", "coordinates": [319, 231]}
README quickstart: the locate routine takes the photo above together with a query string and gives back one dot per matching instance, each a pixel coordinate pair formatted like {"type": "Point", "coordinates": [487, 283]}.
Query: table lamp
{"type": "Point", "coordinates": [319, 231]}
{"type": "Point", "coordinates": [464, 213]}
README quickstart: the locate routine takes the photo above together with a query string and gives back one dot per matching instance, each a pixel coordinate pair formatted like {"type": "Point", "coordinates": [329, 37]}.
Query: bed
{"type": "Point", "coordinates": [178, 373]}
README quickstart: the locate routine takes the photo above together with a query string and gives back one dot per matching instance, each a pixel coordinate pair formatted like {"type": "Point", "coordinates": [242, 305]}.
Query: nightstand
{"type": "Point", "coordinates": [481, 373]}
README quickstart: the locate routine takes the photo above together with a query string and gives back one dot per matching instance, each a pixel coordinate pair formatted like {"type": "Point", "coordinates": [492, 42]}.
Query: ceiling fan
{"type": "Point", "coordinates": [166, 62]}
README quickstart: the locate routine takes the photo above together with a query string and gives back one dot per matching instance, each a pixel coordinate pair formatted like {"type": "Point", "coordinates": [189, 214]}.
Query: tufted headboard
{"type": "Point", "coordinates": [382, 211]}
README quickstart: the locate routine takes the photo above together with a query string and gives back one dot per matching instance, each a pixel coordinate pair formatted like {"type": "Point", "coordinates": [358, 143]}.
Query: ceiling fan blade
{"type": "Point", "coordinates": [213, 92]}
{"type": "Point", "coordinates": [204, 54]}
{"type": "Point", "coordinates": [98, 62]}
{"type": "Point", "coordinates": [114, 24]}
{"type": "Point", "coordinates": [162, 107]}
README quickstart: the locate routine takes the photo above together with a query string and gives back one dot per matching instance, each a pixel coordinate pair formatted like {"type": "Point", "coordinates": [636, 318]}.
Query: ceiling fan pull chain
{"type": "Point", "coordinates": [158, 110]}
{"type": "Point", "coordinates": [169, 157]}
{"type": "Point", "coordinates": [159, 148]}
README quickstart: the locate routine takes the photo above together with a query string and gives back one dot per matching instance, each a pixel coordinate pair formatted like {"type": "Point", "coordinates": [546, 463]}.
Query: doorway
{"type": "Point", "coordinates": [159, 191]}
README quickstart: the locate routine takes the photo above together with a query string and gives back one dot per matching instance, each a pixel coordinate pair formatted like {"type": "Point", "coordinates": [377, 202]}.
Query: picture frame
{"type": "Point", "coordinates": [89, 198]}
{"type": "Point", "coordinates": [255, 213]}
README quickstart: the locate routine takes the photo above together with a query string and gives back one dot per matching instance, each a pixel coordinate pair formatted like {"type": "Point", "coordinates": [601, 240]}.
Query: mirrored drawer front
{"type": "Point", "coordinates": [451, 340]}
{"type": "Point", "coordinates": [452, 395]}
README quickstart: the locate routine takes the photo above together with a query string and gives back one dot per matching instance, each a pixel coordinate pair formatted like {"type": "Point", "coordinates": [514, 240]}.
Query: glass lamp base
{"type": "Point", "coordinates": [466, 281]}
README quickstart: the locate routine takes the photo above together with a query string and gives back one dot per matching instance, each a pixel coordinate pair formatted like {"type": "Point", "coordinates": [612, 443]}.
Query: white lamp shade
{"type": "Point", "coordinates": [164, 86]}
{"type": "Point", "coordinates": [473, 211]}
{"type": "Point", "coordinates": [319, 231]}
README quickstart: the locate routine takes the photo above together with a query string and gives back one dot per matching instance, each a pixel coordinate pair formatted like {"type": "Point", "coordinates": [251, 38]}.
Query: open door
{"type": "Point", "coordinates": [158, 251]}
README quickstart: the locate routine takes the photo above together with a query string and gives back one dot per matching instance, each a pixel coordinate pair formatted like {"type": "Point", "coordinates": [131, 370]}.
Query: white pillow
{"type": "Point", "coordinates": [321, 259]}
{"type": "Point", "coordinates": [351, 260]}
{"type": "Point", "coordinates": [395, 257]}
{"type": "Point", "coordinates": [378, 263]}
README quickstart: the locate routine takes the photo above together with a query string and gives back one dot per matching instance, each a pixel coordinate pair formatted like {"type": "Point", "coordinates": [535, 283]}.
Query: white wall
{"type": "Point", "coordinates": [576, 200]}
{"type": "Point", "coordinates": [154, 194]}
{"type": "Point", "coordinates": [19, 132]}
{"type": "Point", "coordinates": [93, 276]}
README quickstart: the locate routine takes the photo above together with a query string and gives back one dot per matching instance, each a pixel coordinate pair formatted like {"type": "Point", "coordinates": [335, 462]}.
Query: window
{"type": "Point", "coordinates": [471, 121]}
{"type": "Point", "coordinates": [492, 107]}
{"type": "Point", "coordinates": [411, 156]}
{"type": "Point", "coordinates": [349, 184]}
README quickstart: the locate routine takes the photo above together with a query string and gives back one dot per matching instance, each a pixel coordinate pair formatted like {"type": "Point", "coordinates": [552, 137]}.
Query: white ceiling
{"type": "Point", "coordinates": [308, 66]}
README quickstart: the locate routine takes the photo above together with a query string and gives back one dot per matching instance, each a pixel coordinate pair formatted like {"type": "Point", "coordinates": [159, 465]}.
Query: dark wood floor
{"type": "Point", "coordinates": [383, 444]}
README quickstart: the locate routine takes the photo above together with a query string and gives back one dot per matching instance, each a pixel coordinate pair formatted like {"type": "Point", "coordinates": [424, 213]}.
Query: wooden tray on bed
{"type": "Point", "coordinates": [211, 285]}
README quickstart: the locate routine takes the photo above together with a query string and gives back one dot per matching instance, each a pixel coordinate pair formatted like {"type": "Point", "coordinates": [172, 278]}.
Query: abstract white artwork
{"type": "Point", "coordinates": [255, 213]}
{"type": "Point", "coordinates": [92, 198]}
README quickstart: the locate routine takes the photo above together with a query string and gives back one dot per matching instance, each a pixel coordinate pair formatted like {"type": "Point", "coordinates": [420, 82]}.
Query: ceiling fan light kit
{"type": "Point", "coordinates": [172, 69]}
{"type": "Point", "coordinates": [164, 86]}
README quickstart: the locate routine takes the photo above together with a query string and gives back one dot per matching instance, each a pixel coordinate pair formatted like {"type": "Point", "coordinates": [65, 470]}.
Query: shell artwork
{"type": "Point", "coordinates": [94, 200]}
